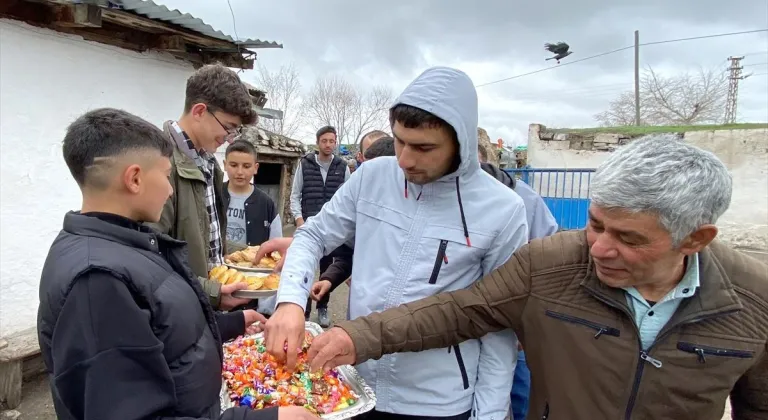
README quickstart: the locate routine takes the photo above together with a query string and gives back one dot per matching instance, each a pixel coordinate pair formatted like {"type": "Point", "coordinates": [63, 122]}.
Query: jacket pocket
{"type": "Point", "coordinates": [703, 351]}
{"type": "Point", "coordinates": [462, 368]}
{"type": "Point", "coordinates": [439, 260]}
{"type": "Point", "coordinates": [601, 329]}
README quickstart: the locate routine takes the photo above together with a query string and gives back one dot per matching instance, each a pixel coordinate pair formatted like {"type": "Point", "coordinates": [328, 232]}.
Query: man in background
{"type": "Point", "coordinates": [216, 106]}
{"type": "Point", "coordinates": [366, 141]}
{"type": "Point", "coordinates": [318, 176]}
{"type": "Point", "coordinates": [341, 269]}
{"type": "Point", "coordinates": [541, 223]}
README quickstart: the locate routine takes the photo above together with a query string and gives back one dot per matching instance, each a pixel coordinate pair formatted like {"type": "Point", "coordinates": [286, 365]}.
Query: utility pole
{"type": "Point", "coordinates": [733, 89]}
{"type": "Point", "coordinates": [637, 78]}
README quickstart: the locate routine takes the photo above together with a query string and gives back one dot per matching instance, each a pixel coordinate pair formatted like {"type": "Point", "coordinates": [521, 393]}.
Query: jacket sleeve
{"type": "Point", "coordinates": [276, 228]}
{"type": "Point", "coordinates": [298, 185]}
{"type": "Point", "coordinates": [212, 289]}
{"type": "Point", "coordinates": [498, 350]}
{"type": "Point", "coordinates": [492, 304]}
{"type": "Point", "coordinates": [107, 362]}
{"type": "Point", "coordinates": [542, 221]}
{"type": "Point", "coordinates": [341, 268]}
{"type": "Point", "coordinates": [748, 397]}
{"type": "Point", "coordinates": [231, 324]}
{"type": "Point", "coordinates": [320, 235]}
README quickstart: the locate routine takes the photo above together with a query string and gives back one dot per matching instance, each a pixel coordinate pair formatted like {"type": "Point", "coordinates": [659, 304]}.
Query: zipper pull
{"type": "Point", "coordinates": [700, 353]}
{"type": "Point", "coordinates": [656, 363]}
{"type": "Point", "coordinates": [600, 332]}
{"type": "Point", "coordinates": [445, 258]}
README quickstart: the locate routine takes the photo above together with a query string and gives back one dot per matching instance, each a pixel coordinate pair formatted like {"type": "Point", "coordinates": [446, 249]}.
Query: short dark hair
{"type": "Point", "coordinates": [242, 146]}
{"type": "Point", "coordinates": [108, 133]}
{"type": "Point", "coordinates": [482, 152]}
{"type": "Point", "coordinates": [384, 146]}
{"type": "Point", "coordinates": [221, 90]}
{"type": "Point", "coordinates": [377, 133]}
{"type": "Point", "coordinates": [325, 130]}
{"type": "Point", "coordinates": [412, 117]}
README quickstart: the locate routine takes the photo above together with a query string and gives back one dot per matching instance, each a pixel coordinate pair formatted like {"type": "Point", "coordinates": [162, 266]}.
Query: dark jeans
{"type": "Point", "coordinates": [521, 388]}
{"type": "Point", "coordinates": [378, 415]}
{"type": "Point", "coordinates": [325, 262]}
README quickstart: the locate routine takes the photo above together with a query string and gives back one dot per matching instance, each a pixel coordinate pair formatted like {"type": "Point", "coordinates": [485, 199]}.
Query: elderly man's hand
{"type": "Point", "coordinates": [295, 413]}
{"type": "Point", "coordinates": [277, 244]}
{"type": "Point", "coordinates": [331, 349]}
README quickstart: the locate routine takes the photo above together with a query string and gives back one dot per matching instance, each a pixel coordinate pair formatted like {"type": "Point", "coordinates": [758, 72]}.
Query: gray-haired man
{"type": "Point", "coordinates": [641, 316]}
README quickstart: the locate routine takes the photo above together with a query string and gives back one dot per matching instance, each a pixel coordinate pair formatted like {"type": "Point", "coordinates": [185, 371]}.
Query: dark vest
{"type": "Point", "coordinates": [153, 267]}
{"type": "Point", "coordinates": [315, 193]}
{"type": "Point", "coordinates": [260, 211]}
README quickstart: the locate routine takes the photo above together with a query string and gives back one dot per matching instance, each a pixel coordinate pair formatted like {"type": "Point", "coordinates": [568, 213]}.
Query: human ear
{"type": "Point", "coordinates": [256, 168]}
{"type": "Point", "coordinates": [132, 178]}
{"type": "Point", "coordinates": [198, 110]}
{"type": "Point", "coordinates": [699, 239]}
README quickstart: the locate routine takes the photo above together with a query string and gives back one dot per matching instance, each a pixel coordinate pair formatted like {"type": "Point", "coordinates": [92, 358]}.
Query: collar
{"type": "Point", "coordinates": [114, 228]}
{"type": "Point", "coordinates": [686, 288]}
{"type": "Point", "coordinates": [716, 294]}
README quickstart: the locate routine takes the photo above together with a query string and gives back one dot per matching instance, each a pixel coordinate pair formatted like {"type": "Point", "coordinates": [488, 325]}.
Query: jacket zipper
{"type": "Point", "coordinates": [462, 368]}
{"type": "Point", "coordinates": [545, 416]}
{"type": "Point", "coordinates": [439, 260]}
{"type": "Point", "coordinates": [701, 351]}
{"type": "Point", "coordinates": [644, 353]}
{"type": "Point", "coordinates": [601, 329]}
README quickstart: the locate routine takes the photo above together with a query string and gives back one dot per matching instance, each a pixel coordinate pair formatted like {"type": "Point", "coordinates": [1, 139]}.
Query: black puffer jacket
{"type": "Point", "coordinates": [125, 329]}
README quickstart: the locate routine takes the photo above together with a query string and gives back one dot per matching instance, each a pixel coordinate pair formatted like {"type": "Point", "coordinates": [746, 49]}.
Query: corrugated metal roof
{"type": "Point", "coordinates": [154, 11]}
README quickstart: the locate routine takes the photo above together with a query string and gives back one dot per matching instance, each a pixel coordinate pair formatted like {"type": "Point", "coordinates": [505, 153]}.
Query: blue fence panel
{"type": "Point", "coordinates": [566, 192]}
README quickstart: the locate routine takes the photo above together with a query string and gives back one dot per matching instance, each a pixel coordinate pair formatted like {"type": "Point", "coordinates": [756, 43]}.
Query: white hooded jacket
{"type": "Point", "coordinates": [413, 241]}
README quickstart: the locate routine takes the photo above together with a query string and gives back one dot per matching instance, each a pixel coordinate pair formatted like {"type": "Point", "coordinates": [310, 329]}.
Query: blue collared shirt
{"type": "Point", "coordinates": [651, 319]}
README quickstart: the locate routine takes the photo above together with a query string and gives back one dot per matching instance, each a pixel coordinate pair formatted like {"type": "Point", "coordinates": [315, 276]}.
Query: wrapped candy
{"type": "Point", "coordinates": [255, 379]}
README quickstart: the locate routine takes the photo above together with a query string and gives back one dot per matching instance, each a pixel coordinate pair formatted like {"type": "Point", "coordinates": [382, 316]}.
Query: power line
{"type": "Point", "coordinates": [755, 64]}
{"type": "Point", "coordinates": [618, 50]}
{"type": "Point", "coordinates": [234, 24]}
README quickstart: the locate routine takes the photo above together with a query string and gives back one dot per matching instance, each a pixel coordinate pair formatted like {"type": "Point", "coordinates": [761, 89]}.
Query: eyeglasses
{"type": "Point", "coordinates": [231, 132]}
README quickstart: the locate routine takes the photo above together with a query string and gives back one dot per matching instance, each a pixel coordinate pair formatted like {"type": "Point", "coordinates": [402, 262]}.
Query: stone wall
{"type": "Point", "coordinates": [744, 152]}
{"type": "Point", "coordinates": [484, 141]}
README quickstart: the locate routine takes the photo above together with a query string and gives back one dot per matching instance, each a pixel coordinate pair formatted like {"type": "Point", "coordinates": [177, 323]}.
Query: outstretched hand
{"type": "Point", "coordinates": [331, 349]}
{"type": "Point", "coordinates": [277, 244]}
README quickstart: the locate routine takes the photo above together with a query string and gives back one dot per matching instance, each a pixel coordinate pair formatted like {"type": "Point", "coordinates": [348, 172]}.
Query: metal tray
{"type": "Point", "coordinates": [251, 269]}
{"type": "Point", "coordinates": [365, 403]}
{"type": "Point", "coordinates": [254, 294]}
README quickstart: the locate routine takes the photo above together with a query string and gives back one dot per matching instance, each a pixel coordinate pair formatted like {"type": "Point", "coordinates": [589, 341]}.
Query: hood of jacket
{"type": "Point", "coordinates": [449, 94]}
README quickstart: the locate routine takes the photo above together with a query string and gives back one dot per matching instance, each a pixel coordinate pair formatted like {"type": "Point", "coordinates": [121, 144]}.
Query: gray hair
{"type": "Point", "coordinates": [685, 186]}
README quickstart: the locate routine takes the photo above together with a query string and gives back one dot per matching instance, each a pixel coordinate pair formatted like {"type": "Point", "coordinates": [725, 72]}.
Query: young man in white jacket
{"type": "Point", "coordinates": [426, 221]}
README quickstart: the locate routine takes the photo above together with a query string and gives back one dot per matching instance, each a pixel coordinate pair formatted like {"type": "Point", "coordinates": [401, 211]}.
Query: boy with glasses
{"type": "Point", "coordinates": [217, 104]}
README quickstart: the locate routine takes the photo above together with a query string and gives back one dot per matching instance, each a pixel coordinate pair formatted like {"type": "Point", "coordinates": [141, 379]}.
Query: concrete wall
{"type": "Point", "coordinates": [745, 153]}
{"type": "Point", "coordinates": [47, 79]}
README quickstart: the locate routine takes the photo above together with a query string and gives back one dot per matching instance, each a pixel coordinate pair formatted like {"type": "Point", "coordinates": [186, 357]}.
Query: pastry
{"type": "Point", "coordinates": [254, 282]}
{"type": "Point", "coordinates": [272, 281]}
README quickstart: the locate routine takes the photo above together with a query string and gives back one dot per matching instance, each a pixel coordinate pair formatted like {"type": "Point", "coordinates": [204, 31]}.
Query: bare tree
{"type": "Point", "coordinates": [334, 101]}
{"type": "Point", "coordinates": [685, 99]}
{"type": "Point", "coordinates": [283, 89]}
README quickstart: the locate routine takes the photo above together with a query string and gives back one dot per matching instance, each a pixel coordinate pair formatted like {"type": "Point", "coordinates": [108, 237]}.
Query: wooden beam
{"type": "Point", "coordinates": [170, 43]}
{"type": "Point", "coordinates": [131, 20]}
{"type": "Point", "coordinates": [77, 15]}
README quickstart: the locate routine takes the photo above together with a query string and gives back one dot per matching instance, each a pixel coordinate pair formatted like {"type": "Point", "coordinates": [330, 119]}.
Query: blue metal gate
{"type": "Point", "coordinates": [566, 192]}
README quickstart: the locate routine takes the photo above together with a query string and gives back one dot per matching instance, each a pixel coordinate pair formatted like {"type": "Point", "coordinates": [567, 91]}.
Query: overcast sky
{"type": "Point", "coordinates": [392, 41]}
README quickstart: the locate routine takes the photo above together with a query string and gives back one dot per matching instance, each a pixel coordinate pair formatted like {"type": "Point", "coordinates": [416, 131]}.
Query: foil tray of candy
{"type": "Point", "coordinates": [342, 390]}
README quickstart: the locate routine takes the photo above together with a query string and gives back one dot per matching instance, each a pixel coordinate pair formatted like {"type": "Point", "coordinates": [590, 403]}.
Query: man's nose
{"type": "Point", "coordinates": [406, 159]}
{"type": "Point", "coordinates": [603, 247]}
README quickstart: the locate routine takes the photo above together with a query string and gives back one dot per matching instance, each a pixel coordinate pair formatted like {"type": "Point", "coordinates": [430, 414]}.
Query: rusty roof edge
{"type": "Point", "coordinates": [159, 12]}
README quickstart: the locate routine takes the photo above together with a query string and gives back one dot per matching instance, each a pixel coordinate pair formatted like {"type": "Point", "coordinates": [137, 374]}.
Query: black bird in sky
{"type": "Point", "coordinates": [560, 50]}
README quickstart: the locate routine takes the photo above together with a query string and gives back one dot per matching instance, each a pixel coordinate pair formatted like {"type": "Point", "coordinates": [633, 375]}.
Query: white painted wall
{"type": "Point", "coordinates": [47, 79]}
{"type": "Point", "coordinates": [744, 152]}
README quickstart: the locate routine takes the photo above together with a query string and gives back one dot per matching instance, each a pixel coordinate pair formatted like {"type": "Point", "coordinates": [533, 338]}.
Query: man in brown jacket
{"type": "Point", "coordinates": [217, 104]}
{"type": "Point", "coordinates": [641, 316]}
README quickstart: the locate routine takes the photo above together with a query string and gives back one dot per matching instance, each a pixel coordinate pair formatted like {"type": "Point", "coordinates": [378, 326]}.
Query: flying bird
{"type": "Point", "coordinates": [560, 50]}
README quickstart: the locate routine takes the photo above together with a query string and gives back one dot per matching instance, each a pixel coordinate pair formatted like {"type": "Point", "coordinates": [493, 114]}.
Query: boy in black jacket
{"type": "Point", "coordinates": [125, 329]}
